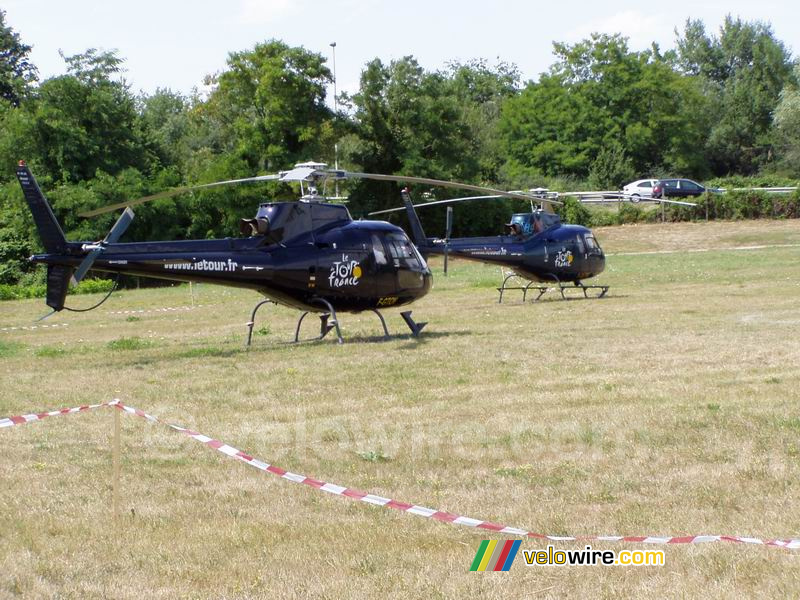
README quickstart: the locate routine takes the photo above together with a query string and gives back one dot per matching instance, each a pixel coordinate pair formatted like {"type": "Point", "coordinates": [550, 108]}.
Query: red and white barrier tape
{"type": "Point", "coordinates": [22, 419]}
{"type": "Point", "coordinates": [415, 509]}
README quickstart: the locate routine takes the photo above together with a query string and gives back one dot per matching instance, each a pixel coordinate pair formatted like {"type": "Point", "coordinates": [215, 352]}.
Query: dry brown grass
{"type": "Point", "coordinates": [668, 408]}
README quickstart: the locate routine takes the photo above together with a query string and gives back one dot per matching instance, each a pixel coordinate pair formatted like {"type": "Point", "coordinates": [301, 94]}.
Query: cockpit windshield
{"type": "Point", "coordinates": [591, 243]}
{"type": "Point", "coordinates": [404, 252]}
{"type": "Point", "coordinates": [526, 224]}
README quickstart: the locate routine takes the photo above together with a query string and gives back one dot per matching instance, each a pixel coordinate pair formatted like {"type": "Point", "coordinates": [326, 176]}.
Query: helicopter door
{"type": "Point", "coordinates": [345, 267]}
{"type": "Point", "coordinates": [382, 268]}
{"type": "Point", "coordinates": [566, 254]}
{"type": "Point", "coordinates": [406, 260]}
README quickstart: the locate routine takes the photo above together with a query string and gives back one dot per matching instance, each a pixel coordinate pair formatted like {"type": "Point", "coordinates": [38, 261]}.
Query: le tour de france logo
{"type": "Point", "coordinates": [564, 258]}
{"type": "Point", "coordinates": [344, 272]}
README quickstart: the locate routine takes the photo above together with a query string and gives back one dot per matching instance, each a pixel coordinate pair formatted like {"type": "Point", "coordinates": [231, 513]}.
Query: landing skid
{"type": "Point", "coordinates": [252, 320]}
{"type": "Point", "coordinates": [578, 285]}
{"type": "Point", "coordinates": [559, 286]}
{"type": "Point", "coordinates": [327, 324]}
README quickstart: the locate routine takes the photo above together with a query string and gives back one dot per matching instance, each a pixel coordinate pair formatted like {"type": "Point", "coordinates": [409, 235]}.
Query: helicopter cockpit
{"type": "Point", "coordinates": [528, 224]}
{"type": "Point", "coordinates": [282, 221]}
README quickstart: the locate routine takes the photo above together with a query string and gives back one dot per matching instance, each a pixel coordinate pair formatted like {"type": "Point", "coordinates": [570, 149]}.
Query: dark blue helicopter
{"type": "Point", "coordinates": [535, 246]}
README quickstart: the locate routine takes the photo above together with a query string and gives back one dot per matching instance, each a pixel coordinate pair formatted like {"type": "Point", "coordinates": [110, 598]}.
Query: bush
{"type": "Point", "coordinates": [39, 290]}
{"type": "Point", "coordinates": [574, 212]}
{"type": "Point", "coordinates": [630, 213]}
{"type": "Point", "coordinates": [611, 169]}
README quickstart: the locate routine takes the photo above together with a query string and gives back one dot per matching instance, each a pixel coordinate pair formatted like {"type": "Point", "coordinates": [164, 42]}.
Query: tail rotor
{"type": "Point", "coordinates": [95, 250]}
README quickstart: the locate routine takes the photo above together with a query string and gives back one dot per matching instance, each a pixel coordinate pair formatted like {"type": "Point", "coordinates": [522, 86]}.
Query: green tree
{"type": "Point", "coordinates": [17, 73]}
{"type": "Point", "coordinates": [410, 121]}
{"type": "Point", "coordinates": [611, 169]}
{"type": "Point", "coordinates": [87, 120]}
{"type": "Point", "coordinates": [166, 122]}
{"type": "Point", "coordinates": [270, 106]}
{"type": "Point", "coordinates": [16, 234]}
{"type": "Point", "coordinates": [550, 129]}
{"type": "Point", "coordinates": [481, 90]}
{"type": "Point", "coordinates": [786, 121]}
{"type": "Point", "coordinates": [600, 94]}
{"type": "Point", "coordinates": [744, 70]}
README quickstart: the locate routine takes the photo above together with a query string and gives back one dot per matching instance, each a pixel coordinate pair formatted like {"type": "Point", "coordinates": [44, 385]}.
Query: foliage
{"type": "Point", "coordinates": [17, 73]}
{"type": "Point", "coordinates": [481, 90]}
{"type": "Point", "coordinates": [743, 71]}
{"type": "Point", "coordinates": [39, 290]}
{"type": "Point", "coordinates": [573, 211]}
{"type": "Point", "coordinates": [270, 105]}
{"type": "Point", "coordinates": [600, 95]}
{"type": "Point", "coordinates": [86, 121]}
{"type": "Point", "coordinates": [611, 169]}
{"type": "Point", "coordinates": [786, 121]}
{"type": "Point", "coordinates": [411, 121]}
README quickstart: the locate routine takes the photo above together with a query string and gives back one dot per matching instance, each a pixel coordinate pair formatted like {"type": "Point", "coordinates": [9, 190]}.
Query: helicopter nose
{"type": "Point", "coordinates": [600, 264]}
{"type": "Point", "coordinates": [427, 280]}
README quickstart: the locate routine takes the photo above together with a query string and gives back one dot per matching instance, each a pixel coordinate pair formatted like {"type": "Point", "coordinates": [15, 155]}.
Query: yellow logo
{"type": "Point", "coordinates": [388, 301]}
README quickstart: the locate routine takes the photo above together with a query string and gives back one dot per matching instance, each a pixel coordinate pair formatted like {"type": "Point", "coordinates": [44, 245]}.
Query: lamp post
{"type": "Point", "coordinates": [335, 111]}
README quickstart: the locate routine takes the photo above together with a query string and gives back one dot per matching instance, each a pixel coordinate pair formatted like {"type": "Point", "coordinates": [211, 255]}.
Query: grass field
{"type": "Point", "coordinates": [671, 407]}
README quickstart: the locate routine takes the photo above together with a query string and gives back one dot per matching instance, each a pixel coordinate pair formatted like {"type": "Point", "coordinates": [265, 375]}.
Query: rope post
{"type": "Point", "coordinates": [115, 454]}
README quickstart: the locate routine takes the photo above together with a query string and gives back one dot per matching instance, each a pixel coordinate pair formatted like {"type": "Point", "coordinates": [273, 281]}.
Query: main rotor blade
{"type": "Point", "coordinates": [435, 202]}
{"type": "Point", "coordinates": [674, 202]}
{"type": "Point", "coordinates": [174, 192]}
{"type": "Point", "coordinates": [443, 183]}
{"type": "Point", "coordinates": [299, 174]}
{"type": "Point", "coordinates": [587, 197]}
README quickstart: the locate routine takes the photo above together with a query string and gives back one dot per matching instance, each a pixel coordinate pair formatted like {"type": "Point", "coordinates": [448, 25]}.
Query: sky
{"type": "Point", "coordinates": [175, 43]}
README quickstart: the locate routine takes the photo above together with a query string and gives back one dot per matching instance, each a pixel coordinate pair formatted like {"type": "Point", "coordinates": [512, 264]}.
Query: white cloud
{"type": "Point", "coordinates": [640, 29]}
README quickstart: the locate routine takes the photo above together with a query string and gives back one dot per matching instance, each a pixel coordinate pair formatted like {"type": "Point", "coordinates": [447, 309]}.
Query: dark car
{"type": "Point", "coordinates": [677, 188]}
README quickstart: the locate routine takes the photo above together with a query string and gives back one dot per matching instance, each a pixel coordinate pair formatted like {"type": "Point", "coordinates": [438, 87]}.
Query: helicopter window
{"type": "Point", "coordinates": [591, 243]}
{"type": "Point", "coordinates": [377, 249]}
{"type": "Point", "coordinates": [419, 257]}
{"type": "Point", "coordinates": [580, 245]}
{"type": "Point", "coordinates": [401, 250]}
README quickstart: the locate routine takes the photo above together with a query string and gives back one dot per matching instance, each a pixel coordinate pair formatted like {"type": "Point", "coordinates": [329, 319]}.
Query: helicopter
{"type": "Point", "coordinates": [309, 255]}
{"type": "Point", "coordinates": [535, 247]}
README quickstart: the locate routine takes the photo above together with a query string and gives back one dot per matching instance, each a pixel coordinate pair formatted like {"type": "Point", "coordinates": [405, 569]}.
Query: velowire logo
{"type": "Point", "coordinates": [494, 555]}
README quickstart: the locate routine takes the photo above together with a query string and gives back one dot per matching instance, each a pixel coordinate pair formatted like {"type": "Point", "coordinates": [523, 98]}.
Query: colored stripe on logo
{"type": "Point", "coordinates": [479, 555]}
{"type": "Point", "coordinates": [498, 551]}
{"type": "Point", "coordinates": [487, 556]}
{"type": "Point", "coordinates": [512, 554]}
{"type": "Point", "coordinates": [495, 556]}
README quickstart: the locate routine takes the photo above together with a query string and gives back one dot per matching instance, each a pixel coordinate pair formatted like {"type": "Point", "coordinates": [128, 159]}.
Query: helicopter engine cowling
{"type": "Point", "coordinates": [251, 227]}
